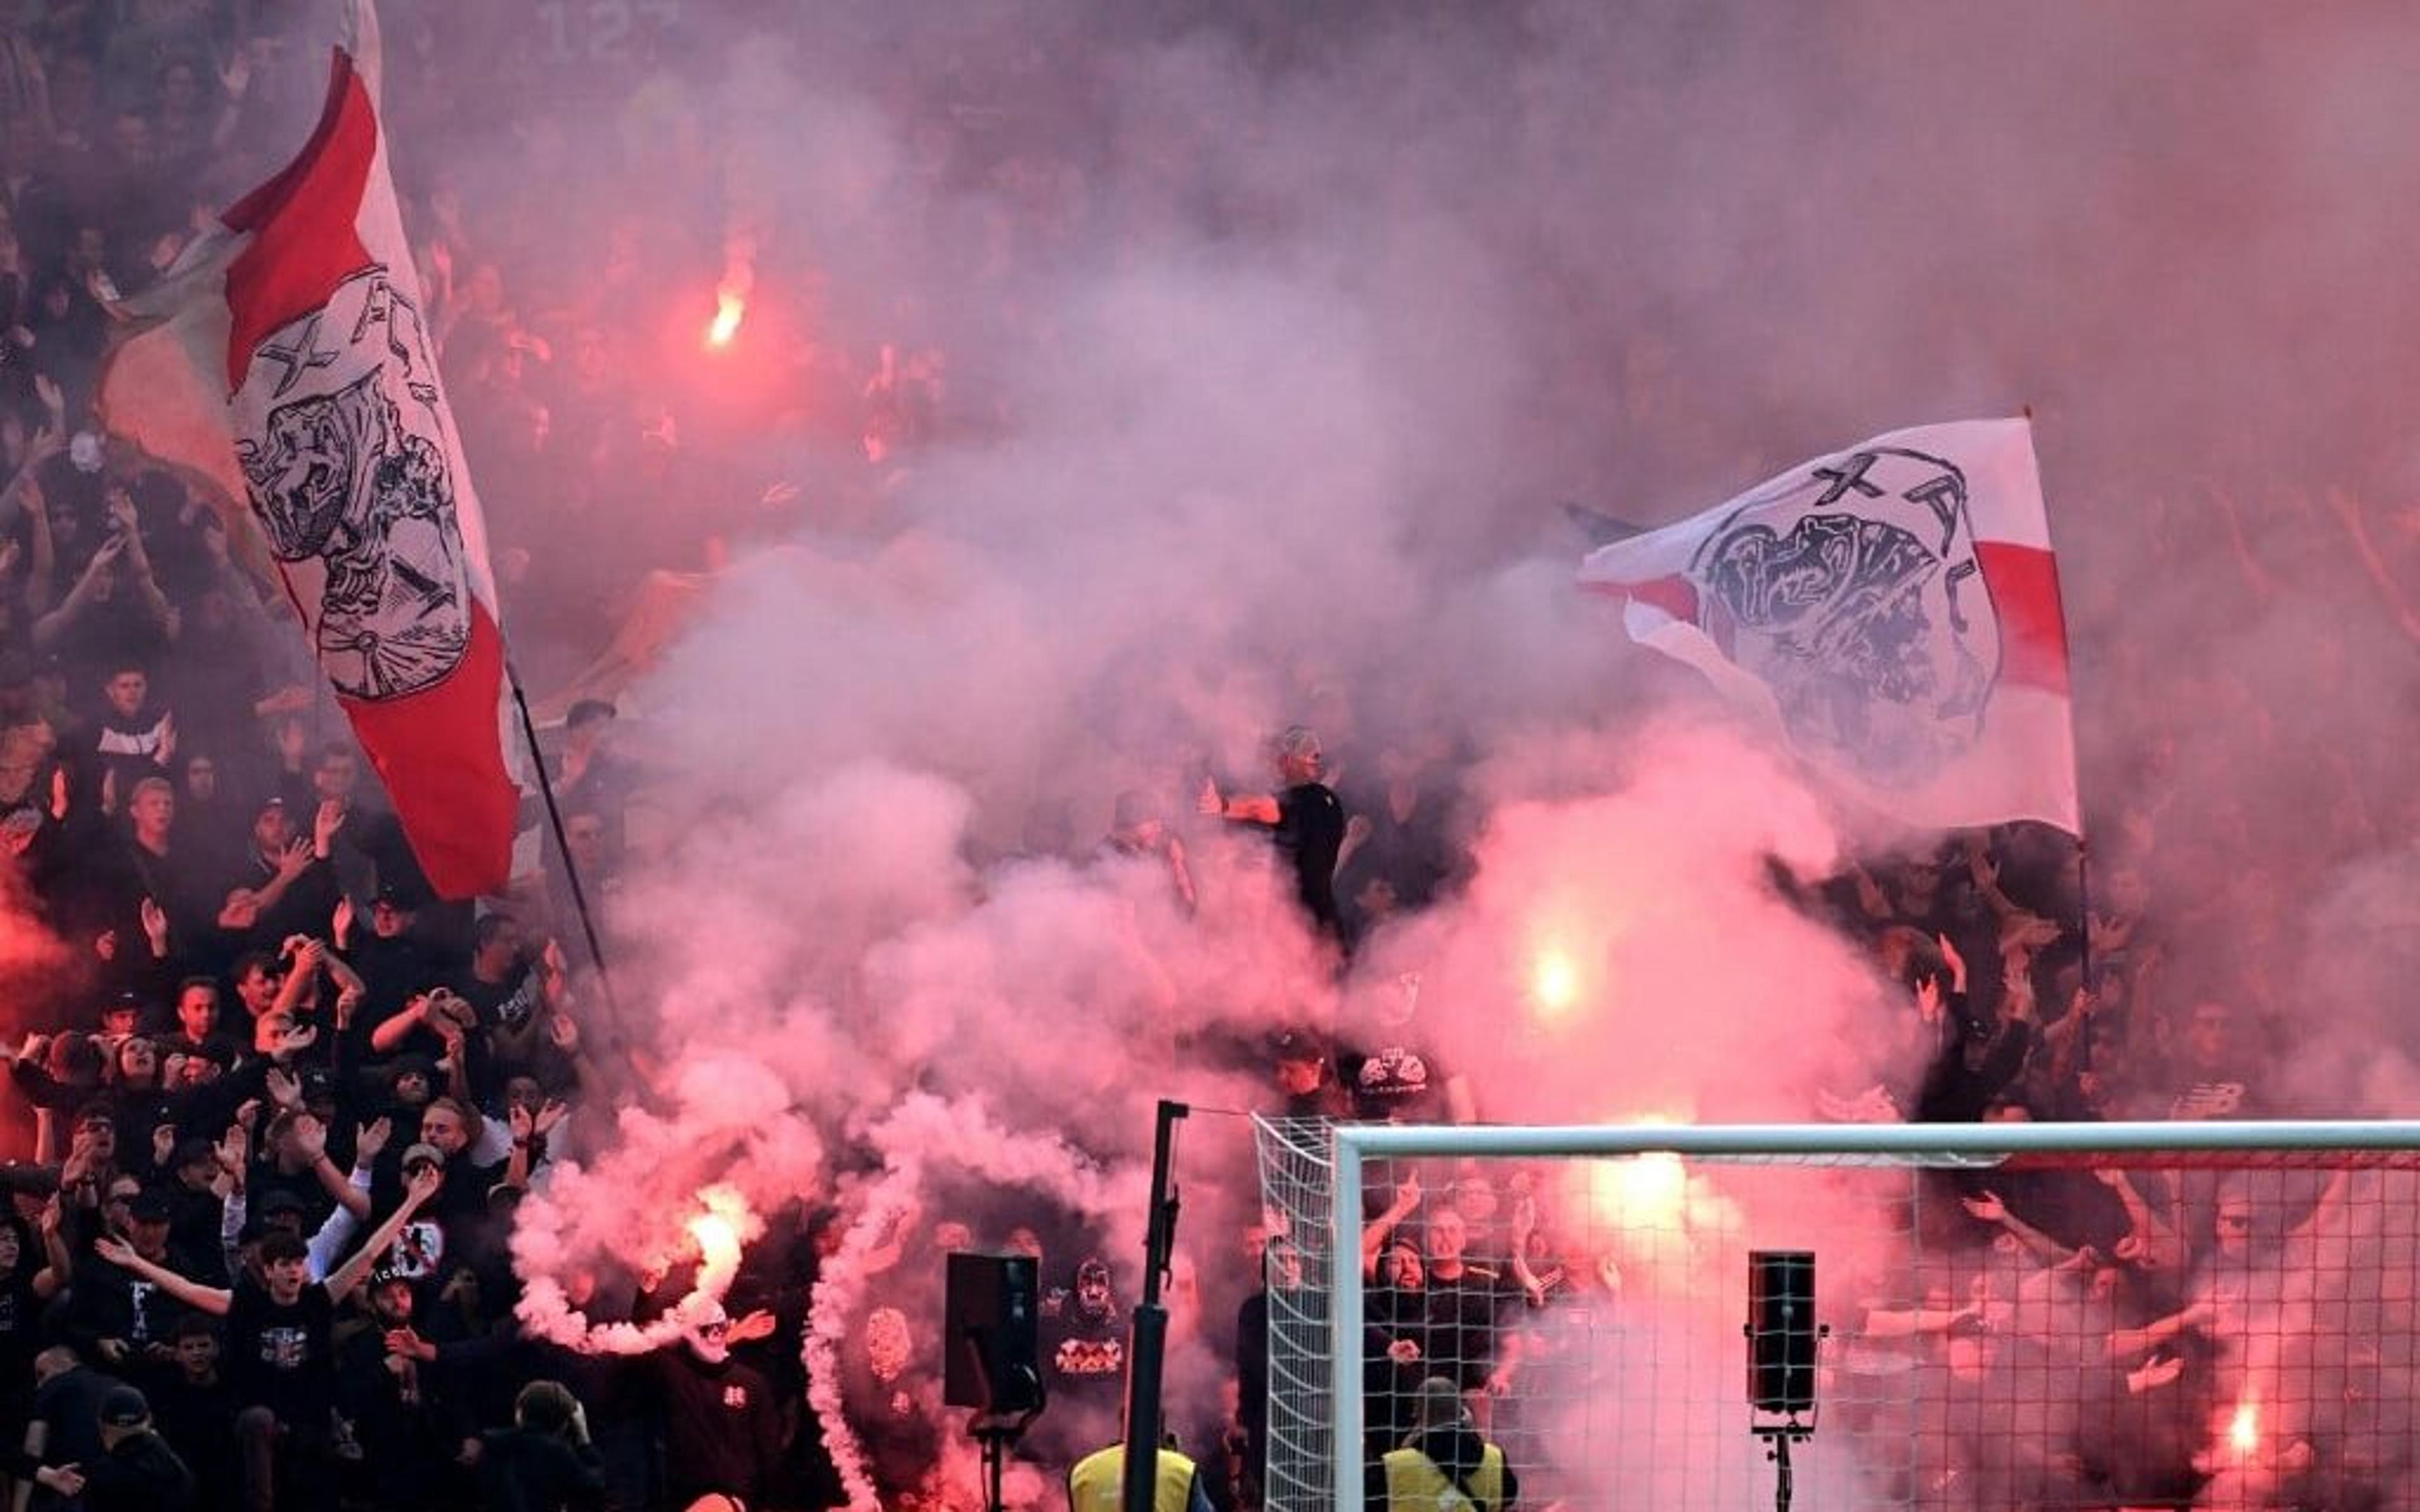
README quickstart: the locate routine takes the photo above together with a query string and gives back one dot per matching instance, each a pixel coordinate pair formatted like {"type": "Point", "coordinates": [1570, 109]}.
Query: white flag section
{"type": "Point", "coordinates": [1891, 610]}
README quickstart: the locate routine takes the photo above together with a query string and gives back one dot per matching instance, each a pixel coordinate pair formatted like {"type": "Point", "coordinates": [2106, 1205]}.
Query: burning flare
{"type": "Point", "coordinates": [721, 1231]}
{"type": "Point", "coordinates": [730, 308]}
{"type": "Point", "coordinates": [1554, 983]}
{"type": "Point", "coordinates": [2243, 1430]}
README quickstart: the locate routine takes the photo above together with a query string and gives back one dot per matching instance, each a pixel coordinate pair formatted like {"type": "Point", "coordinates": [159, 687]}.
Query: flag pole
{"type": "Point", "coordinates": [2083, 844]}
{"type": "Point", "coordinates": [563, 848]}
{"type": "Point", "coordinates": [2084, 900]}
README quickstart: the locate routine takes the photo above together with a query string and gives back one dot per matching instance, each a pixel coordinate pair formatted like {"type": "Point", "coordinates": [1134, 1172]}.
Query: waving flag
{"type": "Point", "coordinates": [1892, 610]}
{"type": "Point", "coordinates": [285, 358]}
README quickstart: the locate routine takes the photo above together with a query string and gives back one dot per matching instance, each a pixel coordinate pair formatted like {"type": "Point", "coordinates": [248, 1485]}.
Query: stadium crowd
{"type": "Point", "coordinates": [278, 1103]}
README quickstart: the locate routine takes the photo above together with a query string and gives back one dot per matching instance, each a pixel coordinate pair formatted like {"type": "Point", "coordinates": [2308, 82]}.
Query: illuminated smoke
{"type": "Point", "coordinates": [730, 308]}
{"type": "Point", "coordinates": [2243, 1430]}
{"type": "Point", "coordinates": [719, 1233]}
{"type": "Point", "coordinates": [1554, 985]}
{"type": "Point", "coordinates": [834, 1307]}
{"type": "Point", "coordinates": [1225, 484]}
{"type": "Point", "coordinates": [927, 1134]}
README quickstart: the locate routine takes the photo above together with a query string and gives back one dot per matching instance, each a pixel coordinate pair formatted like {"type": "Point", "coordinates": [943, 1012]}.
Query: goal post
{"type": "Point", "coordinates": [1980, 1346]}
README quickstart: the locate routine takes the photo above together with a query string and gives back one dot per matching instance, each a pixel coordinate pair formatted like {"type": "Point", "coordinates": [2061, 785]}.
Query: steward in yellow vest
{"type": "Point", "coordinates": [1415, 1483]}
{"type": "Point", "coordinates": [1098, 1483]}
{"type": "Point", "coordinates": [1444, 1465]}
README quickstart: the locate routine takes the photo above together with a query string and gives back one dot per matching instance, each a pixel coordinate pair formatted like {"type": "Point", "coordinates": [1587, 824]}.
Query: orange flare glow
{"type": "Point", "coordinates": [720, 1232]}
{"type": "Point", "coordinates": [2243, 1432]}
{"type": "Point", "coordinates": [1648, 1193]}
{"type": "Point", "coordinates": [729, 309]}
{"type": "Point", "coordinates": [717, 1239]}
{"type": "Point", "coordinates": [1553, 985]}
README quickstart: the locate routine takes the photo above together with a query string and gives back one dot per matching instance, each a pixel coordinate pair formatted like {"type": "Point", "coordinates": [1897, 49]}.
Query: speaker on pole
{"type": "Point", "coordinates": [990, 1322]}
{"type": "Point", "coordinates": [1781, 1331]}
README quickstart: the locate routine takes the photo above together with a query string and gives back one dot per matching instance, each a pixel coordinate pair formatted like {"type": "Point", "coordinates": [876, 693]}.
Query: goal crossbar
{"type": "Point", "coordinates": [1954, 1145]}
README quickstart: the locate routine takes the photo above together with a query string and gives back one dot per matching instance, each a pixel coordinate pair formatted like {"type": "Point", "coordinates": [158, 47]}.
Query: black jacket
{"type": "Point", "coordinates": [525, 1472]}
{"type": "Point", "coordinates": [141, 1475]}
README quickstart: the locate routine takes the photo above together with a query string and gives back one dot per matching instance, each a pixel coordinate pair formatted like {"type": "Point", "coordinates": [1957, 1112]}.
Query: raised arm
{"type": "Point", "coordinates": [397, 1027]}
{"type": "Point", "coordinates": [2324, 1214]}
{"type": "Point", "coordinates": [1249, 808]}
{"type": "Point", "coordinates": [352, 1193]}
{"type": "Point", "coordinates": [417, 1189]}
{"type": "Point", "coordinates": [214, 1300]}
{"type": "Point", "coordinates": [56, 1266]}
{"type": "Point", "coordinates": [2130, 1341]}
{"type": "Point", "coordinates": [1991, 1210]}
{"type": "Point", "coordinates": [1906, 1322]}
{"type": "Point", "coordinates": [51, 627]}
{"type": "Point", "coordinates": [2158, 1246]}
{"type": "Point", "coordinates": [1378, 1230]}
{"type": "Point", "coordinates": [1525, 1223]}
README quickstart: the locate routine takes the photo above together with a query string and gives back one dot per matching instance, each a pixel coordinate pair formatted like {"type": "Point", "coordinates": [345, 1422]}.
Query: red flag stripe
{"type": "Point", "coordinates": [439, 753]}
{"type": "Point", "coordinates": [1674, 594]}
{"type": "Point", "coordinates": [304, 243]}
{"type": "Point", "coordinates": [2024, 592]}
{"type": "Point", "coordinates": [2033, 632]}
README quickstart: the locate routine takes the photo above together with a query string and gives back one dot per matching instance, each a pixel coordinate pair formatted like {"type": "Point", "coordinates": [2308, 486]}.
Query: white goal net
{"type": "Point", "coordinates": [1993, 1317]}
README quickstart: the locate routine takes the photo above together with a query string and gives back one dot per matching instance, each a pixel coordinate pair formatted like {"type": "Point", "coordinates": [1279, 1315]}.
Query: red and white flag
{"type": "Point", "coordinates": [1892, 610]}
{"type": "Point", "coordinates": [285, 358]}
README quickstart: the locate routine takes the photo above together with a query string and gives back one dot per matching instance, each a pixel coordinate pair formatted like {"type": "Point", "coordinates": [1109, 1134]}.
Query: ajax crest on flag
{"type": "Point", "coordinates": [343, 450]}
{"type": "Point", "coordinates": [1851, 590]}
{"type": "Point", "coordinates": [1890, 611]}
{"type": "Point", "coordinates": [284, 356]}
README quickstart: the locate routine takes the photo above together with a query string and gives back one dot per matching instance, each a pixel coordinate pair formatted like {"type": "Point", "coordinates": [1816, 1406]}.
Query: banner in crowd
{"type": "Point", "coordinates": [285, 357]}
{"type": "Point", "coordinates": [1893, 610]}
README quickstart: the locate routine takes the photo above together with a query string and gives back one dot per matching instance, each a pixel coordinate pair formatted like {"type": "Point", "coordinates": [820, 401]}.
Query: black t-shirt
{"type": "Point", "coordinates": [501, 1005]}
{"type": "Point", "coordinates": [1396, 1079]}
{"type": "Point", "coordinates": [282, 1357]}
{"type": "Point", "coordinates": [392, 970]}
{"type": "Point", "coordinates": [886, 1406]}
{"type": "Point", "coordinates": [21, 1320]}
{"type": "Point", "coordinates": [1411, 853]}
{"type": "Point", "coordinates": [308, 907]}
{"type": "Point", "coordinates": [1310, 832]}
{"type": "Point", "coordinates": [722, 1428]}
{"type": "Point", "coordinates": [1459, 1323]}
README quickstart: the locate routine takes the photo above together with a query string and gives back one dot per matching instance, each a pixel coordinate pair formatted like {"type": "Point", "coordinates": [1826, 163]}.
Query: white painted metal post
{"type": "Point", "coordinates": [1344, 1316]}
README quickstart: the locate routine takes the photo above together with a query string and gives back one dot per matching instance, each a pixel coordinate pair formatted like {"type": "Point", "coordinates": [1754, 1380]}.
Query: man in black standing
{"type": "Point", "coordinates": [1307, 816]}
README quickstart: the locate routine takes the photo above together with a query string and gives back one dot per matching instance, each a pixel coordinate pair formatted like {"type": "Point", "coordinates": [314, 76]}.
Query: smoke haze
{"type": "Point", "coordinates": [1272, 338]}
{"type": "Point", "coordinates": [1242, 354]}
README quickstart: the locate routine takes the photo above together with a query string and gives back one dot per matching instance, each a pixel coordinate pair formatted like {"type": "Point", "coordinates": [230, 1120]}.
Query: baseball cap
{"type": "Point", "coordinates": [424, 1153]}
{"type": "Point", "coordinates": [123, 1406]}
{"type": "Point", "coordinates": [278, 1201]}
{"type": "Point", "coordinates": [152, 1205]}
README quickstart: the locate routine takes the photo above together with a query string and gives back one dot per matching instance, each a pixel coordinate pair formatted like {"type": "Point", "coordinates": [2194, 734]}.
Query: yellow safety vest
{"type": "Point", "coordinates": [1414, 1484]}
{"type": "Point", "coordinates": [1099, 1482]}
